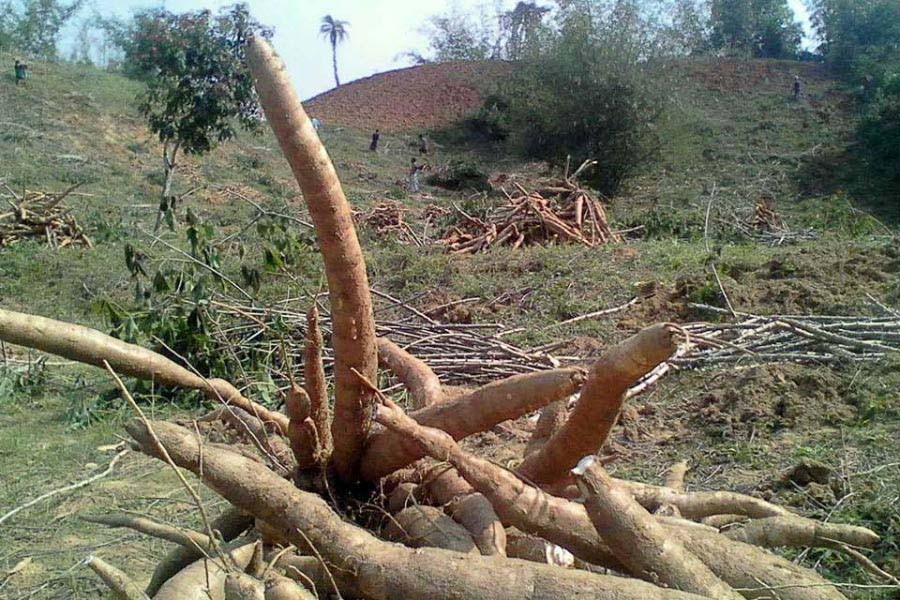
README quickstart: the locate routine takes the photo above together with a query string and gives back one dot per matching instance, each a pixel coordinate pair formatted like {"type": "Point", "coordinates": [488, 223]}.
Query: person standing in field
{"type": "Point", "coordinates": [423, 145]}
{"type": "Point", "coordinates": [413, 176]}
{"type": "Point", "coordinates": [375, 137]}
{"type": "Point", "coordinates": [798, 87]}
{"type": "Point", "coordinates": [21, 72]}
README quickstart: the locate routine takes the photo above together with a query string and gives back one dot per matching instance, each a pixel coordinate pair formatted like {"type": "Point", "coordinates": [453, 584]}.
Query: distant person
{"type": "Point", "coordinates": [375, 137]}
{"type": "Point", "coordinates": [316, 123]}
{"type": "Point", "coordinates": [798, 87]}
{"type": "Point", "coordinates": [413, 181]}
{"type": "Point", "coordinates": [21, 72]}
{"type": "Point", "coordinates": [423, 145]}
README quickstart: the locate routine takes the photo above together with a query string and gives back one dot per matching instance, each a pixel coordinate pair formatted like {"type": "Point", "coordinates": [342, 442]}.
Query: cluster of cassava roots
{"type": "Point", "coordinates": [557, 526]}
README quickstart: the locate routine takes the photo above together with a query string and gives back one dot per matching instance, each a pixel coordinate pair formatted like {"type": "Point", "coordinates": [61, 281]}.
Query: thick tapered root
{"type": "Point", "coordinates": [565, 523]}
{"type": "Point", "coordinates": [471, 413]}
{"type": "Point", "coordinates": [797, 532]}
{"type": "Point", "coordinates": [642, 544]}
{"type": "Point", "coordinates": [241, 586]}
{"type": "Point", "coordinates": [353, 321]}
{"type": "Point", "coordinates": [204, 579]}
{"type": "Point", "coordinates": [598, 406]}
{"type": "Point", "coordinates": [302, 432]}
{"type": "Point", "coordinates": [118, 582]}
{"type": "Point", "coordinates": [468, 508]}
{"type": "Point", "coordinates": [552, 419]}
{"type": "Point", "coordinates": [361, 562]}
{"type": "Point", "coordinates": [229, 525]}
{"type": "Point", "coordinates": [697, 505]}
{"type": "Point", "coordinates": [282, 588]}
{"type": "Point", "coordinates": [92, 347]}
{"type": "Point", "coordinates": [423, 385]}
{"type": "Point", "coordinates": [421, 526]}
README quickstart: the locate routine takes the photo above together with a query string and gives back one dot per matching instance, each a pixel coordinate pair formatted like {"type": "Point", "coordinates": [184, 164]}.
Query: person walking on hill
{"type": "Point", "coordinates": [375, 137]}
{"type": "Point", "coordinates": [798, 87]}
{"type": "Point", "coordinates": [413, 176]}
{"type": "Point", "coordinates": [423, 145]}
{"type": "Point", "coordinates": [21, 72]}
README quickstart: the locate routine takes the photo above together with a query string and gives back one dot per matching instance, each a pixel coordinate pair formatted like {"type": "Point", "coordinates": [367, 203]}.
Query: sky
{"type": "Point", "coordinates": [380, 32]}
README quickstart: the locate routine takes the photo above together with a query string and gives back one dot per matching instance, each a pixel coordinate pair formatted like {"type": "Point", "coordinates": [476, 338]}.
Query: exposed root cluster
{"type": "Point", "coordinates": [302, 497]}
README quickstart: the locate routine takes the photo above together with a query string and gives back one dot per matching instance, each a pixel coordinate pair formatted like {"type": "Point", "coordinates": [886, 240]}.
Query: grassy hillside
{"type": "Point", "coordinates": [734, 137]}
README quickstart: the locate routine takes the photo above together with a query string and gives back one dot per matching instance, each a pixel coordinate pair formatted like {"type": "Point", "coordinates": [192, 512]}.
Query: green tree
{"type": "Point", "coordinates": [858, 37]}
{"type": "Point", "coordinates": [880, 130]}
{"type": "Point", "coordinates": [592, 93]}
{"type": "Point", "coordinates": [760, 28]}
{"type": "Point", "coordinates": [523, 27]}
{"type": "Point", "coordinates": [198, 86]}
{"type": "Point", "coordinates": [335, 31]}
{"type": "Point", "coordinates": [456, 35]}
{"type": "Point", "coordinates": [33, 26]}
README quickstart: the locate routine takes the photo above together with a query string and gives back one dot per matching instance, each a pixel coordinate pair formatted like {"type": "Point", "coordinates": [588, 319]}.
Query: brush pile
{"type": "Point", "coordinates": [317, 489]}
{"type": "Point", "coordinates": [560, 213]}
{"type": "Point", "coordinates": [791, 338]}
{"type": "Point", "coordinates": [40, 216]}
{"type": "Point", "coordinates": [766, 226]}
{"type": "Point", "coordinates": [387, 218]}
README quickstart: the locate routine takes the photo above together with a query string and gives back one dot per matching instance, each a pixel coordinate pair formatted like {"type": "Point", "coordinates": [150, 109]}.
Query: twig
{"type": "Point", "coordinates": [68, 488]}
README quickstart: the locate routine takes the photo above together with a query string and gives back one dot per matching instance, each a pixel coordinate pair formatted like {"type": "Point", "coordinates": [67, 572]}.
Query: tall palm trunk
{"type": "Point", "coordinates": [337, 82]}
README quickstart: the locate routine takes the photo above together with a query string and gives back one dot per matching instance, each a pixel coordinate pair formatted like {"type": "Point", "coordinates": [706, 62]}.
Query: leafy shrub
{"type": "Point", "coordinates": [591, 94]}
{"type": "Point", "coordinates": [459, 175]}
{"type": "Point", "coordinates": [880, 130]}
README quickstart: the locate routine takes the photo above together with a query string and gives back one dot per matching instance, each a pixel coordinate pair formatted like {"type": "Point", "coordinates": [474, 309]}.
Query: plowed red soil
{"type": "Point", "coordinates": [422, 97]}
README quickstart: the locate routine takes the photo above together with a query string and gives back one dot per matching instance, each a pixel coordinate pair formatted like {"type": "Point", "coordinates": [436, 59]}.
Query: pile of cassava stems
{"type": "Point", "coordinates": [387, 218]}
{"type": "Point", "coordinates": [561, 213]}
{"type": "Point", "coordinates": [39, 216]}
{"type": "Point", "coordinates": [461, 524]}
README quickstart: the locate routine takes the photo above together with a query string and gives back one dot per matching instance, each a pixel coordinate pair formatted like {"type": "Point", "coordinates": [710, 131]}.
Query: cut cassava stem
{"type": "Point", "coordinates": [470, 413]}
{"type": "Point", "coordinates": [92, 347]}
{"type": "Point", "coordinates": [598, 406]}
{"type": "Point", "coordinates": [423, 385]}
{"type": "Point", "coordinates": [638, 540]}
{"type": "Point", "coordinates": [360, 561]}
{"type": "Point", "coordinates": [353, 321]}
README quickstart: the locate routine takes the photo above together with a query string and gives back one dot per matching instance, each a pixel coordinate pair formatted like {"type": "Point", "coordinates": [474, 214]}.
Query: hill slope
{"type": "Point", "coordinates": [735, 137]}
{"type": "Point", "coordinates": [422, 97]}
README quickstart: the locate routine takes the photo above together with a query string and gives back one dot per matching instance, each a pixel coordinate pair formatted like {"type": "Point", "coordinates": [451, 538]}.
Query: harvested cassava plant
{"type": "Point", "coordinates": [41, 216]}
{"type": "Point", "coordinates": [317, 493]}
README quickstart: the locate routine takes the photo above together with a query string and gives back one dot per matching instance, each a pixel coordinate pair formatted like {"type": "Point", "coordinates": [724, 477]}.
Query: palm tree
{"type": "Point", "coordinates": [335, 31]}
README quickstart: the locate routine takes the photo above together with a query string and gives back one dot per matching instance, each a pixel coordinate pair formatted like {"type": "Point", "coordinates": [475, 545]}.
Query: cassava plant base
{"type": "Point", "coordinates": [297, 482]}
